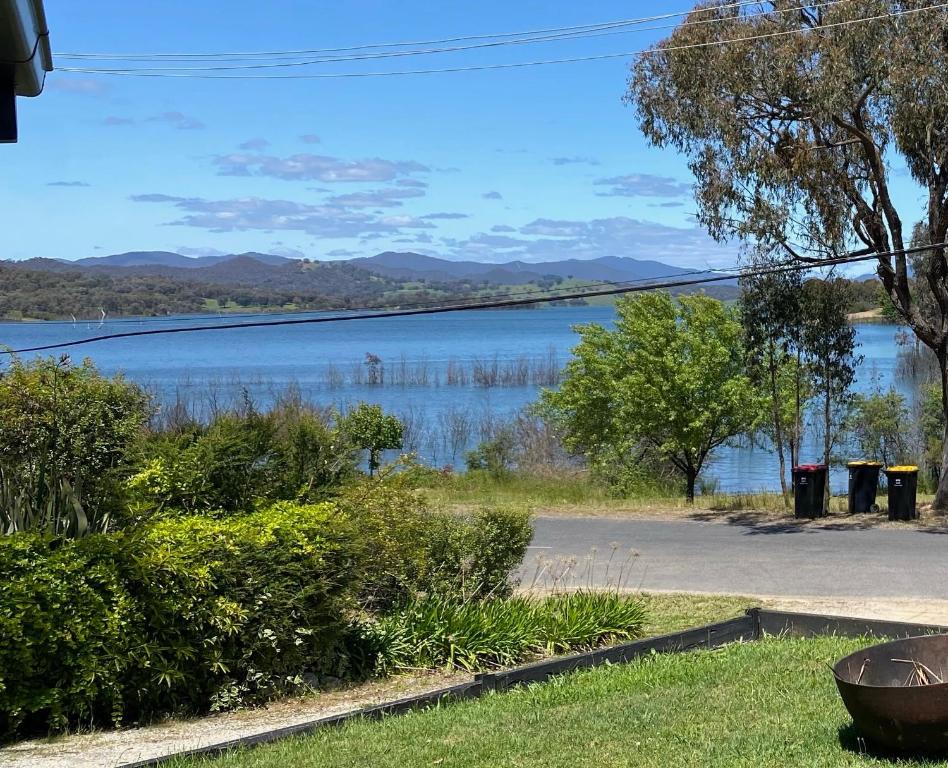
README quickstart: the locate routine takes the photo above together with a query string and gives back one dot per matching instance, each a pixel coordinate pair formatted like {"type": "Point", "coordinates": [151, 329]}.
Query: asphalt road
{"type": "Point", "coordinates": [738, 559]}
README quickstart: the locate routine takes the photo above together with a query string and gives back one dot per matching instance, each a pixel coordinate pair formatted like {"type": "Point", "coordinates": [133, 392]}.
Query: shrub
{"type": "Point", "coordinates": [394, 527]}
{"type": "Point", "coordinates": [312, 458]}
{"type": "Point", "coordinates": [878, 423]}
{"type": "Point", "coordinates": [59, 421]}
{"type": "Point", "coordinates": [238, 608]}
{"type": "Point", "coordinates": [410, 549]}
{"type": "Point", "coordinates": [66, 621]}
{"type": "Point", "coordinates": [223, 466]}
{"type": "Point", "coordinates": [241, 458]}
{"type": "Point", "coordinates": [434, 631]}
{"type": "Point", "coordinates": [184, 615]}
{"type": "Point", "coordinates": [472, 556]}
{"type": "Point", "coordinates": [498, 455]}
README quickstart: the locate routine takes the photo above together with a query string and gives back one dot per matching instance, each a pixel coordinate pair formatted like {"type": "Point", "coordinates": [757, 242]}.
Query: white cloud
{"type": "Point", "coordinates": [643, 185]}
{"type": "Point", "coordinates": [555, 239]}
{"type": "Point", "coordinates": [575, 160]}
{"type": "Point", "coordinates": [178, 120]}
{"type": "Point", "coordinates": [254, 213]}
{"type": "Point", "coordinates": [308, 167]}
{"type": "Point", "coordinates": [254, 145]}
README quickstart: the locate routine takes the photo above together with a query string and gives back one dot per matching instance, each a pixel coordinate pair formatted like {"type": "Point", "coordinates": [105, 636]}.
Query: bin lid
{"type": "Point", "coordinates": [902, 468]}
{"type": "Point", "coordinates": [864, 463]}
{"type": "Point", "coordinates": [808, 467]}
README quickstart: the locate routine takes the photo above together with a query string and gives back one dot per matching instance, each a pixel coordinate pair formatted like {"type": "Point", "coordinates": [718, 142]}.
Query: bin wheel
{"type": "Point", "coordinates": [875, 509]}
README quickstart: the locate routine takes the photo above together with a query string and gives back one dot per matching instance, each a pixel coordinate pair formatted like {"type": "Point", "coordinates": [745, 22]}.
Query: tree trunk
{"type": "Point", "coordinates": [691, 475]}
{"type": "Point", "coordinates": [797, 415]}
{"type": "Point", "coordinates": [940, 504]}
{"type": "Point", "coordinates": [827, 443]}
{"type": "Point", "coordinates": [778, 426]}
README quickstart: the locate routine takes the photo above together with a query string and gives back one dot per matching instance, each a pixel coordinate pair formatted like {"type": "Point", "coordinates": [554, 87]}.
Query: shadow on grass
{"type": "Point", "coordinates": [852, 741]}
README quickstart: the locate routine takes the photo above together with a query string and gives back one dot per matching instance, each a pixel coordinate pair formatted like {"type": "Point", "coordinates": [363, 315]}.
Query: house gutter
{"type": "Point", "coordinates": [25, 58]}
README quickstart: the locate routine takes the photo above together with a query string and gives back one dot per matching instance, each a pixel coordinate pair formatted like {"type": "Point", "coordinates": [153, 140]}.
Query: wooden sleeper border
{"type": "Point", "coordinates": [756, 623]}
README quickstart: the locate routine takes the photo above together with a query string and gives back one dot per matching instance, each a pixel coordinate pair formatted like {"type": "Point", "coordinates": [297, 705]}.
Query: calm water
{"type": "Point", "coordinates": [265, 360]}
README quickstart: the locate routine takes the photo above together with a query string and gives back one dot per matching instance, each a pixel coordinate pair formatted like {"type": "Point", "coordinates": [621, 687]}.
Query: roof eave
{"type": "Point", "coordinates": [24, 44]}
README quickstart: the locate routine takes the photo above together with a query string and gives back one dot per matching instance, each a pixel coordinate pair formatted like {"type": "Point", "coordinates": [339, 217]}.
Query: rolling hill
{"type": "Point", "coordinates": [415, 266]}
{"type": "Point", "coordinates": [163, 282]}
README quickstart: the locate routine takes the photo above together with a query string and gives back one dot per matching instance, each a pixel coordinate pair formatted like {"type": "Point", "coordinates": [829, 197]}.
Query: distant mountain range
{"type": "Point", "coordinates": [170, 259]}
{"type": "Point", "coordinates": [162, 282]}
{"type": "Point", "coordinates": [414, 266]}
{"type": "Point", "coordinates": [402, 266]}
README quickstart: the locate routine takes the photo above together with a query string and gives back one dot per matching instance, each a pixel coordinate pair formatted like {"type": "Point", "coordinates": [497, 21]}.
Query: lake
{"type": "Point", "coordinates": [429, 364]}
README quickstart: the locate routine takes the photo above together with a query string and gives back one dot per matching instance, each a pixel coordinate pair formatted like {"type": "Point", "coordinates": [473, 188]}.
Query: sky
{"type": "Point", "coordinates": [538, 163]}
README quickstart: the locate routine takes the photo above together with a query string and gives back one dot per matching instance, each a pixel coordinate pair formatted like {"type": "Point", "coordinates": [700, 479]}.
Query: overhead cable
{"type": "Point", "coordinates": [560, 37]}
{"type": "Point", "coordinates": [368, 46]}
{"type": "Point", "coordinates": [511, 65]}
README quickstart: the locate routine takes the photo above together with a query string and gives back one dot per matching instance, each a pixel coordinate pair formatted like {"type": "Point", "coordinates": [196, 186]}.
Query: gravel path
{"type": "Point", "coordinates": [114, 748]}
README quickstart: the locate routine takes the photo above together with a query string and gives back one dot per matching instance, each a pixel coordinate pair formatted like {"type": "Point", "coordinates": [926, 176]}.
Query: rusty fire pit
{"type": "Point", "coordinates": [897, 693]}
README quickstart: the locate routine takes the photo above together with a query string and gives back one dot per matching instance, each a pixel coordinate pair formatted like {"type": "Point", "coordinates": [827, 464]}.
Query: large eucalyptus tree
{"type": "Point", "coordinates": [797, 119]}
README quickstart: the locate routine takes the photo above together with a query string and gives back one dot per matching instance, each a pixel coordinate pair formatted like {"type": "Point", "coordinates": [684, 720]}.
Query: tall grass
{"type": "Point", "coordinates": [436, 632]}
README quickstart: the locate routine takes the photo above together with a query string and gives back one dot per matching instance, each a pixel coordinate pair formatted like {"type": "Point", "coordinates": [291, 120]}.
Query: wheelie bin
{"type": "Point", "coordinates": [903, 485]}
{"type": "Point", "coordinates": [863, 486]}
{"type": "Point", "coordinates": [809, 484]}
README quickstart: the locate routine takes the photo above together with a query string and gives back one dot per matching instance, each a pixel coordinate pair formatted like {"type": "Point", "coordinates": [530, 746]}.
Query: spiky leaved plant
{"type": "Point", "coordinates": [50, 506]}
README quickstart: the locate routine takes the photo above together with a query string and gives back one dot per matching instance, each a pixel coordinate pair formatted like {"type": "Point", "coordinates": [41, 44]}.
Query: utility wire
{"type": "Point", "coordinates": [512, 65]}
{"type": "Point", "coordinates": [778, 269]}
{"type": "Point", "coordinates": [491, 44]}
{"type": "Point", "coordinates": [440, 41]}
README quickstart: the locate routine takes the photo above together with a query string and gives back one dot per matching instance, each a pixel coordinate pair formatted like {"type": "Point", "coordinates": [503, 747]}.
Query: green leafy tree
{"type": "Point", "coordinates": [771, 316]}
{"type": "Point", "coordinates": [66, 434]}
{"type": "Point", "coordinates": [369, 428]}
{"type": "Point", "coordinates": [828, 343]}
{"type": "Point", "coordinates": [878, 423]}
{"type": "Point", "coordinates": [794, 123]}
{"type": "Point", "coordinates": [670, 376]}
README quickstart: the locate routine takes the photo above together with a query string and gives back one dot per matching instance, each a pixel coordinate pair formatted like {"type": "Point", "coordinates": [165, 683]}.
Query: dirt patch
{"type": "Point", "coordinates": [910, 609]}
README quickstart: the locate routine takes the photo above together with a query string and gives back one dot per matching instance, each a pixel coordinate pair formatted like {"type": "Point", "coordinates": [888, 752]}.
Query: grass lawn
{"type": "Point", "coordinates": [772, 703]}
{"type": "Point", "coordinates": [673, 612]}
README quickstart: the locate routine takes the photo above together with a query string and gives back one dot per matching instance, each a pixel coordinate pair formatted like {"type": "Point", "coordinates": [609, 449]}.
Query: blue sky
{"type": "Point", "coordinates": [537, 163]}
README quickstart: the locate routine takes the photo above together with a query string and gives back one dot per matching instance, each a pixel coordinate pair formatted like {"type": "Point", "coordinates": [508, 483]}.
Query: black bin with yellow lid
{"type": "Point", "coordinates": [903, 485]}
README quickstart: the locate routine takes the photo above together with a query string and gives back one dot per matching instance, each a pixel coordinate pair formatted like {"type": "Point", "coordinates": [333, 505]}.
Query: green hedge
{"type": "Point", "coordinates": [185, 614]}
{"type": "Point", "coordinates": [408, 549]}
{"type": "Point", "coordinates": [193, 613]}
{"type": "Point", "coordinates": [65, 616]}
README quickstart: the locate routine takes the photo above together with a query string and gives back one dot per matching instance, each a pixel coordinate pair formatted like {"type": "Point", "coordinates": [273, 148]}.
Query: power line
{"type": "Point", "coordinates": [512, 65]}
{"type": "Point", "coordinates": [777, 269]}
{"type": "Point", "coordinates": [604, 31]}
{"type": "Point", "coordinates": [368, 46]}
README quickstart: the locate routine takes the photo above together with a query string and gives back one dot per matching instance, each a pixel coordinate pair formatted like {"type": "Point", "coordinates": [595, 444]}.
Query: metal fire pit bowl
{"type": "Point", "coordinates": [888, 711]}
